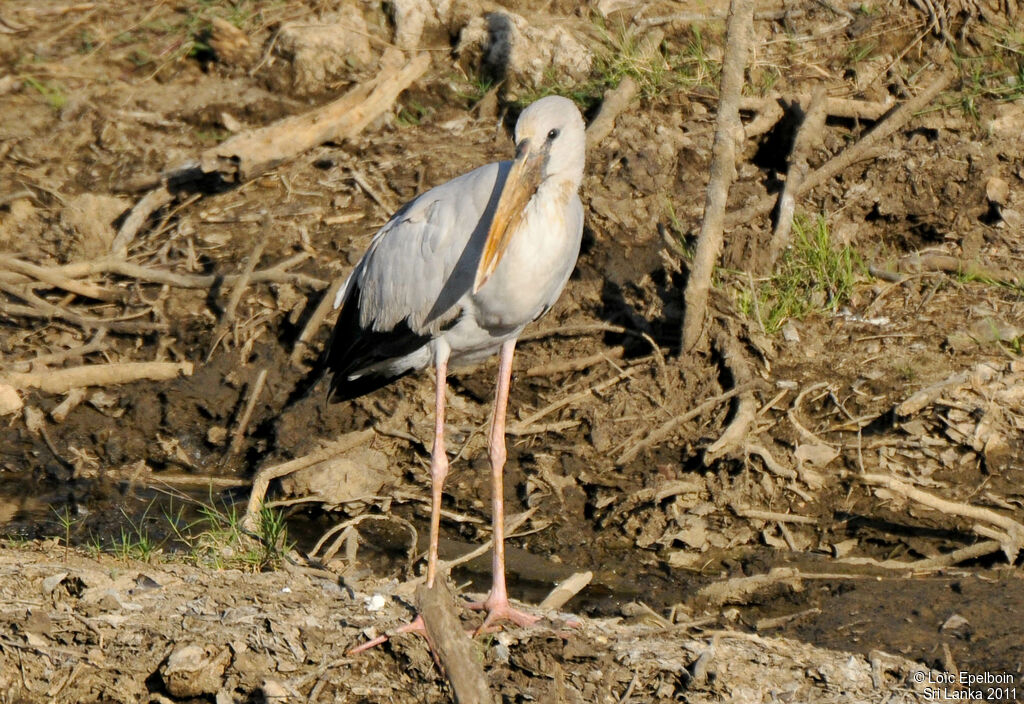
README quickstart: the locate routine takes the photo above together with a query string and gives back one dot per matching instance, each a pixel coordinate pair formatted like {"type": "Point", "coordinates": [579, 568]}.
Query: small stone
{"type": "Point", "coordinates": [321, 53]}
{"type": "Point", "coordinates": [10, 400]}
{"type": "Point", "coordinates": [274, 691]}
{"type": "Point", "coordinates": [507, 45]}
{"type": "Point", "coordinates": [194, 671]}
{"type": "Point", "coordinates": [52, 582]}
{"type": "Point", "coordinates": [997, 191]}
{"type": "Point", "coordinates": [216, 435]}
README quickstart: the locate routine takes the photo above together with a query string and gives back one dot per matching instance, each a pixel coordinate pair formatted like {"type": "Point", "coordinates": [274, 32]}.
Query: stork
{"type": "Point", "coordinates": [454, 276]}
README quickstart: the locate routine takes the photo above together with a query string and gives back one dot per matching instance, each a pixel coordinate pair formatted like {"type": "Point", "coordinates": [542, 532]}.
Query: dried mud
{"type": "Point", "coordinates": [851, 612]}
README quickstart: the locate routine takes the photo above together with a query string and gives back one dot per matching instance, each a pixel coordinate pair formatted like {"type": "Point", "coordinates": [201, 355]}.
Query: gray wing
{"type": "Point", "coordinates": [406, 287]}
{"type": "Point", "coordinates": [424, 259]}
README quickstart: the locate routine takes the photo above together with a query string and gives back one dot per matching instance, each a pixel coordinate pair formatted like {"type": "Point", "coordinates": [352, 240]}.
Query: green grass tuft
{"type": "Point", "coordinates": [52, 92]}
{"type": "Point", "coordinates": [814, 276]}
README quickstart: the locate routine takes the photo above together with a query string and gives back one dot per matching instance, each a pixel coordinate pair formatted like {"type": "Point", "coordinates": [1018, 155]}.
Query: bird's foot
{"type": "Point", "coordinates": [499, 609]}
{"type": "Point", "coordinates": [416, 626]}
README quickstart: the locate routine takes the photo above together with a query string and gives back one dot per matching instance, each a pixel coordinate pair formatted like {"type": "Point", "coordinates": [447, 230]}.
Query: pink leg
{"type": "Point", "coordinates": [438, 469]}
{"type": "Point", "coordinates": [497, 604]}
{"type": "Point", "coordinates": [438, 472]}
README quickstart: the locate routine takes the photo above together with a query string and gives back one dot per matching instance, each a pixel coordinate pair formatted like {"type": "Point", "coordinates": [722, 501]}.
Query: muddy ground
{"type": "Point", "coordinates": [862, 536]}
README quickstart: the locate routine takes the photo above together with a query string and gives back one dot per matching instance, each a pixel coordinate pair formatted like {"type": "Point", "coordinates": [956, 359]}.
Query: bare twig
{"type": "Point", "coordinates": [264, 476]}
{"type": "Point", "coordinates": [615, 101]}
{"type": "Point", "coordinates": [666, 429]}
{"type": "Point", "coordinates": [918, 262]}
{"type": "Point", "coordinates": [53, 277]}
{"type": "Point", "coordinates": [806, 136]}
{"type": "Point", "coordinates": [450, 644]}
{"type": "Point", "coordinates": [250, 406]}
{"type": "Point", "coordinates": [512, 524]}
{"type": "Point", "coordinates": [60, 381]}
{"type": "Point", "coordinates": [323, 309]}
{"type": "Point", "coordinates": [728, 132]}
{"type": "Point", "coordinates": [1011, 538]}
{"type": "Point", "coordinates": [244, 277]}
{"type": "Point", "coordinates": [150, 203]}
{"type": "Point", "coordinates": [954, 557]}
{"type": "Point", "coordinates": [565, 590]}
{"type": "Point", "coordinates": [863, 149]}
{"type": "Point", "coordinates": [794, 418]}
{"type": "Point", "coordinates": [520, 427]}
{"type": "Point", "coordinates": [575, 365]}
{"type": "Point", "coordinates": [759, 515]}
{"type": "Point", "coordinates": [275, 274]}
{"type": "Point", "coordinates": [733, 436]}
{"type": "Point", "coordinates": [772, 464]}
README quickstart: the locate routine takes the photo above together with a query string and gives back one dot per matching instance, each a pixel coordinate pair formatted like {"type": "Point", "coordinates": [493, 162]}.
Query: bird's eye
{"type": "Point", "coordinates": [552, 134]}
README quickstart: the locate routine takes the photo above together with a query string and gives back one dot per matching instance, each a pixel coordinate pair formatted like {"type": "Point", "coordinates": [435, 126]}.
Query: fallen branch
{"type": "Point", "coordinates": [666, 429]}
{"type": "Point", "coordinates": [733, 436]}
{"type": "Point", "coordinates": [452, 648]}
{"type": "Point", "coordinates": [867, 110]}
{"type": "Point", "coordinates": [794, 417]}
{"type": "Point", "coordinates": [740, 590]}
{"type": "Point", "coordinates": [264, 476]}
{"type": "Point", "coordinates": [323, 309]}
{"type": "Point", "coordinates": [863, 149]}
{"type": "Point", "coordinates": [53, 277]}
{"type": "Point", "coordinates": [60, 381]}
{"type": "Point", "coordinates": [926, 396]}
{"type": "Point", "coordinates": [250, 406]}
{"type": "Point", "coordinates": [728, 131]}
{"type": "Point", "coordinates": [807, 135]}
{"type": "Point", "coordinates": [1011, 539]}
{"type": "Point", "coordinates": [917, 263]}
{"type": "Point", "coordinates": [615, 101]}
{"type": "Point", "coordinates": [247, 155]}
{"type": "Point", "coordinates": [947, 559]}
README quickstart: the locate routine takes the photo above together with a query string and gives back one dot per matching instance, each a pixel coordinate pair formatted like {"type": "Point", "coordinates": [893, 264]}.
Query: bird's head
{"type": "Point", "coordinates": [550, 147]}
{"type": "Point", "coordinates": [551, 130]}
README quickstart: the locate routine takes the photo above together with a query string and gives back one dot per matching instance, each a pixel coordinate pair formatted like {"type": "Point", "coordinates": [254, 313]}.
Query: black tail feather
{"type": "Point", "coordinates": [353, 348]}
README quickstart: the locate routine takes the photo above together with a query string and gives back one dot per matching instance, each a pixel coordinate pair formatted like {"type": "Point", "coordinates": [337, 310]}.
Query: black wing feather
{"type": "Point", "coordinates": [353, 348]}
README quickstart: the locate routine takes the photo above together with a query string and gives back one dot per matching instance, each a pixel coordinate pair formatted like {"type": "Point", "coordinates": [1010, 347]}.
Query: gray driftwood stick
{"type": "Point", "coordinates": [807, 135]}
{"type": "Point", "coordinates": [450, 644]}
{"type": "Point", "coordinates": [728, 130]}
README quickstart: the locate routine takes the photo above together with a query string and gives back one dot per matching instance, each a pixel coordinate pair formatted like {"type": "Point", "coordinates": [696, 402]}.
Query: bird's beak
{"type": "Point", "coordinates": [523, 179]}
